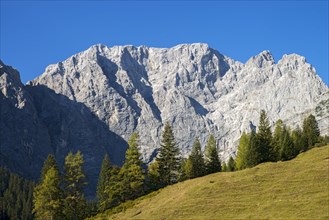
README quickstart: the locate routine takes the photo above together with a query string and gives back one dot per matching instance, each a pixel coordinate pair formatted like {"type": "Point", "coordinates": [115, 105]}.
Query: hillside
{"type": "Point", "coordinates": [296, 189]}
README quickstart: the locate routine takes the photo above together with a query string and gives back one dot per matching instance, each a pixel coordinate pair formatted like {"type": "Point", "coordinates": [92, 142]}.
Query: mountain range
{"type": "Point", "coordinates": [95, 99]}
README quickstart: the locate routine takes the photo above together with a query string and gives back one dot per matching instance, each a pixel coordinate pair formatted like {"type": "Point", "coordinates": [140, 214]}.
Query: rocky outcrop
{"type": "Point", "coordinates": [195, 88]}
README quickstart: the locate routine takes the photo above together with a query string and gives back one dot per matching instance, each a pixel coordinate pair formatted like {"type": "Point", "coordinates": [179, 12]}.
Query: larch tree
{"type": "Point", "coordinates": [47, 200]}
{"type": "Point", "coordinates": [103, 181]}
{"type": "Point", "coordinates": [241, 160]}
{"type": "Point", "coordinates": [132, 172]}
{"type": "Point", "coordinates": [74, 181]}
{"type": "Point", "coordinates": [168, 157]}
{"type": "Point", "coordinates": [115, 189]}
{"type": "Point", "coordinates": [212, 161]}
{"type": "Point", "coordinates": [49, 163]}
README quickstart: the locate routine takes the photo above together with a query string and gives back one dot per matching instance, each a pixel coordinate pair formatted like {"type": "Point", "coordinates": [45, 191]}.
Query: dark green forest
{"type": "Point", "coordinates": [16, 195]}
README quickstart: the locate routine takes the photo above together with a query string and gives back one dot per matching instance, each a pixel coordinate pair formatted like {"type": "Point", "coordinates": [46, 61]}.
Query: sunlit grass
{"type": "Point", "coordinates": [296, 189]}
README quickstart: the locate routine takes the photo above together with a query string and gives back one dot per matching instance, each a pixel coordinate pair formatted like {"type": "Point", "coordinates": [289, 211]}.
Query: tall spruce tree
{"type": "Point", "coordinates": [196, 160]}
{"type": "Point", "coordinates": [311, 132]}
{"type": "Point", "coordinates": [168, 157]}
{"type": "Point", "coordinates": [103, 181]}
{"type": "Point", "coordinates": [264, 136]}
{"type": "Point", "coordinates": [47, 196]}
{"type": "Point", "coordinates": [74, 181]}
{"type": "Point", "coordinates": [242, 151]}
{"type": "Point", "coordinates": [132, 172]}
{"type": "Point", "coordinates": [212, 161]}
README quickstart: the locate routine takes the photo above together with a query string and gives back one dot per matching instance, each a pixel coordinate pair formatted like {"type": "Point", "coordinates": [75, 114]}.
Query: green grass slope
{"type": "Point", "coordinates": [296, 189]}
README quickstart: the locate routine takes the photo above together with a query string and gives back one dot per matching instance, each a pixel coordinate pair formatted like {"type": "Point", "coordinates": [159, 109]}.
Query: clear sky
{"type": "Point", "coordinates": [35, 34]}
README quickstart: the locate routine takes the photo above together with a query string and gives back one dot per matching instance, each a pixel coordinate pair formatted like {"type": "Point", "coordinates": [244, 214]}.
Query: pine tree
{"type": "Point", "coordinates": [103, 181]}
{"type": "Point", "coordinates": [74, 181]}
{"type": "Point", "coordinates": [241, 159]}
{"type": "Point", "coordinates": [132, 172]}
{"type": "Point", "coordinates": [49, 163]}
{"type": "Point", "coordinates": [311, 132]}
{"type": "Point", "coordinates": [212, 161]}
{"type": "Point", "coordinates": [264, 136]}
{"type": "Point", "coordinates": [196, 160]}
{"type": "Point", "coordinates": [47, 196]}
{"type": "Point", "coordinates": [168, 157]}
{"type": "Point", "coordinates": [230, 165]}
{"type": "Point", "coordinates": [276, 140]}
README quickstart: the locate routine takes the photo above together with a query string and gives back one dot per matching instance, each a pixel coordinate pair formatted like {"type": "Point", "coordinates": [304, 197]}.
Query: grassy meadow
{"type": "Point", "coordinates": [296, 189]}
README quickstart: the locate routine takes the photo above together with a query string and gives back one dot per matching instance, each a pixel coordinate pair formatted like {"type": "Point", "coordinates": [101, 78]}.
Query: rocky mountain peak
{"type": "Point", "coordinates": [10, 72]}
{"type": "Point", "coordinates": [293, 61]}
{"type": "Point", "coordinates": [262, 60]}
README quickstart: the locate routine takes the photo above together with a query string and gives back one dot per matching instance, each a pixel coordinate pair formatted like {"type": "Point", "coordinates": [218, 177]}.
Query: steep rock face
{"type": "Point", "coordinates": [35, 122]}
{"type": "Point", "coordinates": [24, 139]}
{"type": "Point", "coordinates": [195, 88]}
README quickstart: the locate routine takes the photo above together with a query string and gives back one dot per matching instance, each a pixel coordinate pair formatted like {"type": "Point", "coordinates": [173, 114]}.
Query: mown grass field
{"type": "Point", "coordinates": [296, 189]}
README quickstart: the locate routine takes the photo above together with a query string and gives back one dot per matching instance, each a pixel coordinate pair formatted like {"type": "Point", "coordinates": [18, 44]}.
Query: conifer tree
{"type": "Point", "coordinates": [297, 138]}
{"type": "Point", "coordinates": [188, 169]}
{"type": "Point", "coordinates": [264, 136]}
{"type": "Point", "coordinates": [196, 160]}
{"type": "Point", "coordinates": [230, 165]}
{"type": "Point", "coordinates": [224, 167]}
{"type": "Point", "coordinates": [276, 140]}
{"type": "Point", "coordinates": [47, 195]}
{"type": "Point", "coordinates": [287, 146]}
{"type": "Point", "coordinates": [74, 181]}
{"type": "Point", "coordinates": [168, 157]}
{"type": "Point", "coordinates": [153, 176]}
{"type": "Point", "coordinates": [241, 160]}
{"type": "Point", "coordinates": [132, 172]}
{"type": "Point", "coordinates": [115, 189]}
{"type": "Point", "coordinates": [212, 161]}
{"type": "Point", "coordinates": [103, 181]}
{"type": "Point", "coordinates": [253, 153]}
{"type": "Point", "coordinates": [311, 132]}
{"type": "Point", "coordinates": [49, 163]}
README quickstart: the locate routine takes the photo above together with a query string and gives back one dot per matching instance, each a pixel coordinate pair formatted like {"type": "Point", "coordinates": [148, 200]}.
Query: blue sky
{"type": "Point", "coordinates": [35, 34]}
